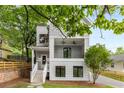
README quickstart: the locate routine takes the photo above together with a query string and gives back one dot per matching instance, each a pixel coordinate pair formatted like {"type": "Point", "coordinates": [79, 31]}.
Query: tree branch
{"type": "Point", "coordinates": [27, 22]}
{"type": "Point", "coordinates": [47, 19]}
{"type": "Point", "coordinates": [104, 10]}
{"type": "Point", "coordinates": [30, 38]}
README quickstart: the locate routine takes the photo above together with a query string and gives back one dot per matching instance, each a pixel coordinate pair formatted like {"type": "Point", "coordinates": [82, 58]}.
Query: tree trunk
{"type": "Point", "coordinates": [27, 54]}
{"type": "Point", "coordinates": [22, 53]}
{"type": "Point", "coordinates": [94, 81]}
{"type": "Point", "coordinates": [94, 77]}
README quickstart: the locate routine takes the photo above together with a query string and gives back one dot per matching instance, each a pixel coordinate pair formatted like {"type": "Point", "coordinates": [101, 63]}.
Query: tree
{"type": "Point", "coordinates": [97, 59]}
{"type": "Point", "coordinates": [20, 27]}
{"type": "Point", "coordinates": [119, 50]}
{"type": "Point", "coordinates": [69, 18]}
{"type": "Point", "coordinates": [21, 21]}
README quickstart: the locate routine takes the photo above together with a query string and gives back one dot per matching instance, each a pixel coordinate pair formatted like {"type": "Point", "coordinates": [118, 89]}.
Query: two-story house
{"type": "Point", "coordinates": [58, 57]}
{"type": "Point", "coordinates": [4, 51]}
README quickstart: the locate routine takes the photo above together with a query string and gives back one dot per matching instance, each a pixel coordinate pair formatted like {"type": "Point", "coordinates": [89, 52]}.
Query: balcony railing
{"type": "Point", "coordinates": [45, 72]}
{"type": "Point", "coordinates": [33, 72]}
{"type": "Point", "coordinates": [68, 59]}
{"type": "Point", "coordinates": [43, 44]}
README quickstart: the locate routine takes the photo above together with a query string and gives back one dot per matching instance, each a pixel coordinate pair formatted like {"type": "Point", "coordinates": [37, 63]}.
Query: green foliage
{"type": "Point", "coordinates": [18, 23]}
{"type": "Point", "coordinates": [67, 18]}
{"type": "Point", "coordinates": [122, 11]}
{"type": "Point", "coordinates": [112, 23]}
{"type": "Point", "coordinates": [119, 50]}
{"type": "Point", "coordinates": [15, 29]}
{"type": "Point", "coordinates": [97, 59]}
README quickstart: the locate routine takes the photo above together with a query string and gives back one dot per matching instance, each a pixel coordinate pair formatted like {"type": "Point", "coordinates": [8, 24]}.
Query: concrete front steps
{"type": "Point", "coordinates": [37, 81]}
{"type": "Point", "coordinates": [38, 77]}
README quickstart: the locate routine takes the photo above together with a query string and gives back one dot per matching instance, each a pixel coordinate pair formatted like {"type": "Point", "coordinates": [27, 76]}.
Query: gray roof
{"type": "Point", "coordinates": [119, 57]}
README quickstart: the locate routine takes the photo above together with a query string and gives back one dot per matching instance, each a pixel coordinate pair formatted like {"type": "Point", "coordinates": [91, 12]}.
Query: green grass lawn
{"type": "Point", "coordinates": [49, 85]}
{"type": "Point", "coordinates": [52, 85]}
{"type": "Point", "coordinates": [114, 75]}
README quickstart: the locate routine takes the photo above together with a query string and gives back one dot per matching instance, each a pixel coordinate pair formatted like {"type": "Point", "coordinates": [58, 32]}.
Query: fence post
{"type": "Point", "coordinates": [13, 65]}
{"type": "Point", "coordinates": [3, 65]}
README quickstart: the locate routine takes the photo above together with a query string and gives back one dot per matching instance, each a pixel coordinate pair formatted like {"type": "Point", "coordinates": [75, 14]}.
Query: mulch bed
{"type": "Point", "coordinates": [12, 83]}
{"type": "Point", "coordinates": [76, 83]}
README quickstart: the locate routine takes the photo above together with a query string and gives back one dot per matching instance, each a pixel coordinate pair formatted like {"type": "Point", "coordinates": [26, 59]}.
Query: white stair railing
{"type": "Point", "coordinates": [33, 72]}
{"type": "Point", "coordinates": [45, 72]}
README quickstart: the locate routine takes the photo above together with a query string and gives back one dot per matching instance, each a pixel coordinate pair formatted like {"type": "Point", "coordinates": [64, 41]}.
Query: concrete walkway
{"type": "Point", "coordinates": [111, 82]}
{"type": "Point", "coordinates": [36, 85]}
{"type": "Point", "coordinates": [37, 81]}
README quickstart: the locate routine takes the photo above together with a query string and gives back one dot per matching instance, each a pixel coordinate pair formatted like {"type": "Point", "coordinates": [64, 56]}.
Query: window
{"type": "Point", "coordinates": [60, 71]}
{"type": "Point", "coordinates": [67, 52]}
{"type": "Point", "coordinates": [43, 38]}
{"type": "Point", "coordinates": [78, 71]}
{"type": "Point", "coordinates": [112, 65]}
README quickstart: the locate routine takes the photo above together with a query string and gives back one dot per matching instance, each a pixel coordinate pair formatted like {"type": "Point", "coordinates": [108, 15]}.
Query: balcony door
{"type": "Point", "coordinates": [67, 52]}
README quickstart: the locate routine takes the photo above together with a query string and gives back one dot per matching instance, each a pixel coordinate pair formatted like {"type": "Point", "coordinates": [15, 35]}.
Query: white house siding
{"type": "Point", "coordinates": [118, 66]}
{"type": "Point", "coordinates": [86, 44]}
{"type": "Point", "coordinates": [53, 62]}
{"type": "Point", "coordinates": [76, 60]}
{"type": "Point", "coordinates": [68, 70]}
{"type": "Point", "coordinates": [51, 48]}
{"type": "Point", "coordinates": [54, 32]}
{"type": "Point", "coordinates": [76, 51]}
{"type": "Point", "coordinates": [41, 30]}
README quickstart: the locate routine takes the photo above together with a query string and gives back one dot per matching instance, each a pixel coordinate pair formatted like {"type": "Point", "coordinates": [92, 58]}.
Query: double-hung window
{"type": "Point", "coordinates": [60, 71]}
{"type": "Point", "coordinates": [77, 71]}
{"type": "Point", "coordinates": [67, 52]}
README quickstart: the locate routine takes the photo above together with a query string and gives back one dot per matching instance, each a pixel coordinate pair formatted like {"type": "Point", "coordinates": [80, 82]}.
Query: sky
{"type": "Point", "coordinates": [111, 40]}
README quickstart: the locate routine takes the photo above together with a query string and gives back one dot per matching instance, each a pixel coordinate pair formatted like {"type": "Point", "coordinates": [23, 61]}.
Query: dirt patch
{"type": "Point", "coordinates": [13, 83]}
{"type": "Point", "coordinates": [76, 83]}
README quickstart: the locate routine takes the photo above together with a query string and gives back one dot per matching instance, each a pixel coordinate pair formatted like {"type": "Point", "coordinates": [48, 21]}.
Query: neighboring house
{"type": "Point", "coordinates": [4, 52]}
{"type": "Point", "coordinates": [57, 57]}
{"type": "Point", "coordinates": [117, 63]}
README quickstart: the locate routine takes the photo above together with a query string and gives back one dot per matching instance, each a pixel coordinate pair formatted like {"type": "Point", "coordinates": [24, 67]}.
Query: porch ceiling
{"type": "Point", "coordinates": [78, 41]}
{"type": "Point", "coordinates": [40, 48]}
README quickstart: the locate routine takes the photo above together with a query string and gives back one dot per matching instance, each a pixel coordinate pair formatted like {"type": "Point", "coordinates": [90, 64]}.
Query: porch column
{"type": "Point", "coordinates": [32, 58]}
{"type": "Point", "coordinates": [51, 48]}
{"type": "Point", "coordinates": [86, 44]}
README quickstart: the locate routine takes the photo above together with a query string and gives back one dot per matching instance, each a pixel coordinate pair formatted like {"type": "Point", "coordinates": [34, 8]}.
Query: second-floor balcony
{"type": "Point", "coordinates": [71, 48]}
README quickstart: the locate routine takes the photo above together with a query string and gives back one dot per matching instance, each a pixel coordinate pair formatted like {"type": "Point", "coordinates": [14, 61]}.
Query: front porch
{"type": "Point", "coordinates": [40, 61]}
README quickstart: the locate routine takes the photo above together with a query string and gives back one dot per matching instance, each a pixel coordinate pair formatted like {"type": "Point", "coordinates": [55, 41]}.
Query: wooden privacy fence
{"type": "Point", "coordinates": [14, 65]}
